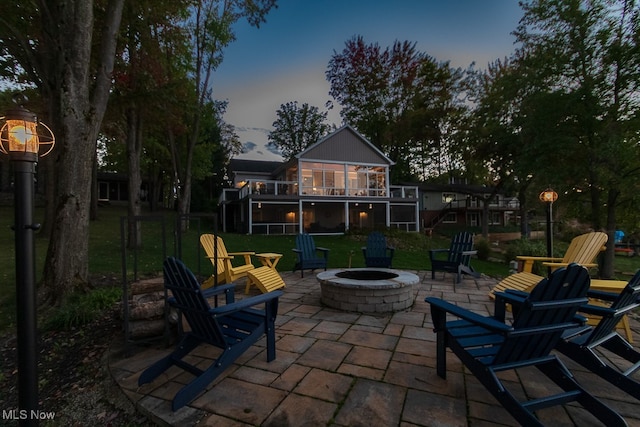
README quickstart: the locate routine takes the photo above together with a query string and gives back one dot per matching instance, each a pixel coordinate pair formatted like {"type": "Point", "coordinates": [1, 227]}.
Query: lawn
{"type": "Point", "coordinates": [105, 260]}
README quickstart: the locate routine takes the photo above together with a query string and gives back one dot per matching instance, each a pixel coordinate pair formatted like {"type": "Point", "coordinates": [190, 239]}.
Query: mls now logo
{"type": "Point", "coordinates": [23, 414]}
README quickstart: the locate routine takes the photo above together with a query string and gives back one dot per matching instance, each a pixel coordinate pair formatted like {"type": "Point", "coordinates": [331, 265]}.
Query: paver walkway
{"type": "Point", "coordinates": [347, 369]}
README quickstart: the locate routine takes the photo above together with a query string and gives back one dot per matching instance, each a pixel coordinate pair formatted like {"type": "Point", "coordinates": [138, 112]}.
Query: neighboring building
{"type": "Point", "coordinates": [462, 205]}
{"type": "Point", "coordinates": [339, 183]}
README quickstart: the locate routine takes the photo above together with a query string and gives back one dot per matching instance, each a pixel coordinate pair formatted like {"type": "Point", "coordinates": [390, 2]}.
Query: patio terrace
{"type": "Point", "coordinates": [348, 369]}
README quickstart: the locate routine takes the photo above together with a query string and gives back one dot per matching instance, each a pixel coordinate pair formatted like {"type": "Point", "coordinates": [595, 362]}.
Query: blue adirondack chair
{"type": "Point", "coordinates": [310, 257]}
{"type": "Point", "coordinates": [456, 259]}
{"type": "Point", "coordinates": [486, 345]}
{"type": "Point", "coordinates": [581, 344]}
{"type": "Point", "coordinates": [232, 327]}
{"type": "Point", "coordinates": [377, 253]}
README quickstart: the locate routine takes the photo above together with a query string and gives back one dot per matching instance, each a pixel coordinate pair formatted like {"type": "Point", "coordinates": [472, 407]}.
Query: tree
{"type": "Point", "coordinates": [54, 42]}
{"type": "Point", "coordinates": [209, 24]}
{"type": "Point", "coordinates": [297, 127]}
{"type": "Point", "coordinates": [400, 99]}
{"type": "Point", "coordinates": [142, 86]}
{"type": "Point", "coordinates": [586, 55]}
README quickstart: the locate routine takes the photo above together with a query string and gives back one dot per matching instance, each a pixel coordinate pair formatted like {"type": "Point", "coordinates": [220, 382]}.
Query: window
{"type": "Point", "coordinates": [367, 181]}
{"type": "Point", "coordinates": [450, 218]}
{"type": "Point", "coordinates": [323, 179]}
{"type": "Point", "coordinates": [448, 197]}
{"type": "Point", "coordinates": [495, 218]}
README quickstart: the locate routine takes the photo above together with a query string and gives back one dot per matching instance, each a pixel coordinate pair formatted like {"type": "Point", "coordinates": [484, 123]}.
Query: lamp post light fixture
{"type": "Point", "coordinates": [549, 196]}
{"type": "Point", "coordinates": [21, 138]}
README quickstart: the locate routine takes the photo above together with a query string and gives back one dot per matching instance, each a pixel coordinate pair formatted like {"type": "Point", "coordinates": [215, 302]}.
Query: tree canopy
{"type": "Point", "coordinates": [297, 127]}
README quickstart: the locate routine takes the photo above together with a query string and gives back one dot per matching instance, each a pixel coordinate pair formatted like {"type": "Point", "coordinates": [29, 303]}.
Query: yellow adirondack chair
{"type": "Point", "coordinates": [582, 250]}
{"type": "Point", "coordinates": [227, 272]}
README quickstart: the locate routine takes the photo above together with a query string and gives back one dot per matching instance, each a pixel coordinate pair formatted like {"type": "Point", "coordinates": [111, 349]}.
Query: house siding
{"type": "Point", "coordinates": [344, 147]}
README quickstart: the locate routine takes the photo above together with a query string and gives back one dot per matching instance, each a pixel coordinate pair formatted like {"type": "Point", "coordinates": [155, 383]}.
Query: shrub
{"type": "Point", "coordinates": [81, 309]}
{"type": "Point", "coordinates": [525, 247]}
{"type": "Point", "coordinates": [484, 249]}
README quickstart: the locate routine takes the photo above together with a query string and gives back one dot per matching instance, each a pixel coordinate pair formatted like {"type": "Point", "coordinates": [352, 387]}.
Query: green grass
{"type": "Point", "coordinates": [105, 261]}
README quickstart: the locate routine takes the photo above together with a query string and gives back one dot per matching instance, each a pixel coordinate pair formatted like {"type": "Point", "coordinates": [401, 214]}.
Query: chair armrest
{"type": "Point", "coordinates": [603, 295]}
{"type": "Point", "coordinates": [486, 322]}
{"type": "Point", "coordinates": [325, 251]}
{"type": "Point", "coordinates": [509, 296]}
{"type": "Point", "coordinates": [433, 253]}
{"type": "Point", "coordinates": [227, 289]}
{"type": "Point", "coordinates": [555, 265]}
{"type": "Point", "coordinates": [469, 252]}
{"type": "Point", "coordinates": [221, 257]}
{"type": "Point", "coordinates": [245, 303]}
{"type": "Point", "coordinates": [298, 251]}
{"type": "Point", "coordinates": [537, 258]}
{"type": "Point", "coordinates": [528, 261]}
{"type": "Point", "coordinates": [599, 310]}
{"type": "Point", "coordinates": [246, 255]}
{"type": "Point", "coordinates": [438, 250]}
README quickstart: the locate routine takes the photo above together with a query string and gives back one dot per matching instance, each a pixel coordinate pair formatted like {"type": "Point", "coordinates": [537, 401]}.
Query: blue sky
{"type": "Point", "coordinates": [286, 58]}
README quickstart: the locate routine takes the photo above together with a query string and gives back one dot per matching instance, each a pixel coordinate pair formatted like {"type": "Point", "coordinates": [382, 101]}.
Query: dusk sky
{"type": "Point", "coordinates": [286, 58]}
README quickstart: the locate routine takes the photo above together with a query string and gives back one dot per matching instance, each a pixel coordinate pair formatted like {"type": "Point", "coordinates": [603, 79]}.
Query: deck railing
{"type": "Point", "coordinates": [290, 188]}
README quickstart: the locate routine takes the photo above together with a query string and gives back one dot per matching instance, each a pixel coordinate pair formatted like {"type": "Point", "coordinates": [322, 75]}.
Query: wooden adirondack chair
{"type": "Point", "coordinates": [582, 250]}
{"type": "Point", "coordinates": [227, 271]}
{"type": "Point", "coordinates": [233, 327]}
{"type": "Point", "coordinates": [458, 257]}
{"type": "Point", "coordinates": [377, 253]}
{"type": "Point", "coordinates": [525, 282]}
{"type": "Point", "coordinates": [486, 345]}
{"type": "Point", "coordinates": [307, 253]}
{"type": "Point", "coordinates": [581, 344]}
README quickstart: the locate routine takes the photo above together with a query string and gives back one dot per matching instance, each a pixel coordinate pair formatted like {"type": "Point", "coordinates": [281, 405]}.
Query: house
{"type": "Point", "coordinates": [339, 183]}
{"type": "Point", "coordinates": [461, 204]}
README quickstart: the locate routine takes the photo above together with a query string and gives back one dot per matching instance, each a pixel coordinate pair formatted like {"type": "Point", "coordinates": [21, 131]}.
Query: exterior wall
{"type": "Point", "coordinates": [344, 146]}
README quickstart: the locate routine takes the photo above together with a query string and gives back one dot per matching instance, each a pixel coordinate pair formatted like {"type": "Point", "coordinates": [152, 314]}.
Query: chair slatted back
{"type": "Point", "coordinates": [626, 301]}
{"type": "Point", "coordinates": [461, 242]}
{"type": "Point", "coordinates": [306, 245]}
{"type": "Point", "coordinates": [584, 248]}
{"type": "Point", "coordinates": [376, 245]}
{"type": "Point", "coordinates": [185, 289]}
{"type": "Point", "coordinates": [548, 310]}
{"type": "Point", "coordinates": [377, 253]}
{"type": "Point", "coordinates": [207, 242]}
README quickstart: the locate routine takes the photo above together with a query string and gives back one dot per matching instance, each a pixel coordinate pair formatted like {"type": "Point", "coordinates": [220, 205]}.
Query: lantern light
{"type": "Point", "coordinates": [23, 137]}
{"type": "Point", "coordinates": [548, 196]}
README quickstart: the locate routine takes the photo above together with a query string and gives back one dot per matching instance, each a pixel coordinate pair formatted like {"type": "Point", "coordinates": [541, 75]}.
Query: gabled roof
{"type": "Point", "coordinates": [345, 145]}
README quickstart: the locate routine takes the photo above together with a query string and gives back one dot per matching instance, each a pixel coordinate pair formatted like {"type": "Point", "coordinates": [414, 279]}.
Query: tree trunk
{"type": "Point", "coordinates": [525, 228]}
{"type": "Point", "coordinates": [134, 149]}
{"type": "Point", "coordinates": [606, 267]}
{"type": "Point", "coordinates": [93, 211]}
{"type": "Point", "coordinates": [78, 102]}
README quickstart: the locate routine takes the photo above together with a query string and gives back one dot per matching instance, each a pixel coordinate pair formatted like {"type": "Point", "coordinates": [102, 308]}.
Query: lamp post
{"type": "Point", "coordinates": [549, 196]}
{"type": "Point", "coordinates": [19, 138]}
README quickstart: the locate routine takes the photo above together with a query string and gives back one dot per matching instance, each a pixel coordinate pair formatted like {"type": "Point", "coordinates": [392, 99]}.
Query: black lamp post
{"type": "Point", "coordinates": [549, 196]}
{"type": "Point", "coordinates": [19, 139]}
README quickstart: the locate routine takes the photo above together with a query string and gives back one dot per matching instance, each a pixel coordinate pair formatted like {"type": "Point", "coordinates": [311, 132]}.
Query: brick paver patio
{"type": "Point", "coordinates": [347, 369]}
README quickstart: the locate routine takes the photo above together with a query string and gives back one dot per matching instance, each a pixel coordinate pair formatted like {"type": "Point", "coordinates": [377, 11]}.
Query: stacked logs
{"type": "Point", "coordinates": [146, 308]}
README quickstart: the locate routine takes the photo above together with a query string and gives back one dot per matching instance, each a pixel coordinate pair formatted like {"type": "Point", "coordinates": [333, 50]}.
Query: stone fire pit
{"type": "Point", "coordinates": [367, 290]}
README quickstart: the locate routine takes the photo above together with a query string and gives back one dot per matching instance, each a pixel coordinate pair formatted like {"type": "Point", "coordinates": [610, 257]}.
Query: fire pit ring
{"type": "Point", "coordinates": [367, 290]}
